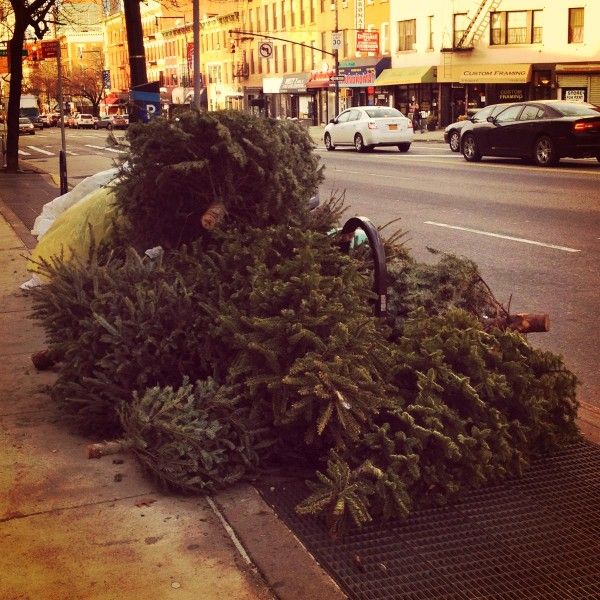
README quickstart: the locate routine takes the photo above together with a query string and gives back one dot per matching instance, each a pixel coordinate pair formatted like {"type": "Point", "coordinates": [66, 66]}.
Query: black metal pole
{"type": "Point", "coordinates": [135, 45]}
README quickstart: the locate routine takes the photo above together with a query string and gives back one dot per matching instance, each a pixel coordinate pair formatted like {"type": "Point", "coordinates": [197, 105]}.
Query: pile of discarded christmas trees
{"type": "Point", "coordinates": [219, 331]}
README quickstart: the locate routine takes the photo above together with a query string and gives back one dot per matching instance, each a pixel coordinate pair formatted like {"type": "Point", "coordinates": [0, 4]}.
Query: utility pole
{"type": "Point", "coordinates": [135, 45]}
{"type": "Point", "coordinates": [337, 63]}
{"type": "Point", "coordinates": [197, 72]}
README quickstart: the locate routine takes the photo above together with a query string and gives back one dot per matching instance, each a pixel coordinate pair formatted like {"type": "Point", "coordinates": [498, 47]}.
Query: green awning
{"type": "Point", "coordinates": [406, 76]}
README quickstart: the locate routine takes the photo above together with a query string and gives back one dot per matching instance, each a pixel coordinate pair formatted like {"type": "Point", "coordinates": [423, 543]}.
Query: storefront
{"type": "Point", "coordinates": [397, 86]}
{"type": "Point", "coordinates": [298, 100]}
{"type": "Point", "coordinates": [360, 75]}
{"type": "Point", "coordinates": [254, 100]}
{"type": "Point", "coordinates": [273, 104]}
{"type": "Point", "coordinates": [466, 88]}
{"type": "Point", "coordinates": [579, 82]}
{"type": "Point", "coordinates": [318, 84]}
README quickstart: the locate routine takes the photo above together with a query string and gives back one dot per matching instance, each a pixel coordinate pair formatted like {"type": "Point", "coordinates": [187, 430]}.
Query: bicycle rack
{"type": "Point", "coordinates": [378, 253]}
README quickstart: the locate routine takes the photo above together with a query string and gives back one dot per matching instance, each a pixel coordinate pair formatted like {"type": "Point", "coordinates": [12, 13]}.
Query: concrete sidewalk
{"type": "Point", "coordinates": [76, 528]}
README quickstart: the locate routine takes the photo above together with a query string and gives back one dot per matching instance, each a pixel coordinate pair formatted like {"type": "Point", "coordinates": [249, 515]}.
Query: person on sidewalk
{"type": "Point", "coordinates": [416, 115]}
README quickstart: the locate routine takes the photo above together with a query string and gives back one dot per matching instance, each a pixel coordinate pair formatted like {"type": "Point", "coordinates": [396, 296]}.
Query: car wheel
{"type": "Point", "coordinates": [109, 127]}
{"type": "Point", "coordinates": [359, 143]}
{"type": "Point", "coordinates": [544, 152]}
{"type": "Point", "coordinates": [454, 141]}
{"type": "Point", "coordinates": [328, 143]}
{"type": "Point", "coordinates": [95, 126]}
{"type": "Point", "coordinates": [403, 147]}
{"type": "Point", "coordinates": [470, 149]}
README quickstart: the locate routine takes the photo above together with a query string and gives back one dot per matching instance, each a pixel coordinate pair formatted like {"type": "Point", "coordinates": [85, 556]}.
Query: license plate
{"type": "Point", "coordinates": [393, 127]}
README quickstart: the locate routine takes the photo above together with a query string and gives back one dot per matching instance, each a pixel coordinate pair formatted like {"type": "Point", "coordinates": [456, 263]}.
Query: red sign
{"type": "Point", "coordinates": [190, 56]}
{"type": "Point", "coordinates": [367, 41]}
{"type": "Point", "coordinates": [49, 49]}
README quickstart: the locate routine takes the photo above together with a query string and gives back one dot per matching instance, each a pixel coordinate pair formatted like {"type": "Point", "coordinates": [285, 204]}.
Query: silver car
{"type": "Point", "coordinates": [26, 126]}
{"type": "Point", "coordinates": [365, 127]}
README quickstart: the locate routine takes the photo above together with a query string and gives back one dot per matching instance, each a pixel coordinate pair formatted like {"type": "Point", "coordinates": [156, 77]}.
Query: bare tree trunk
{"type": "Point", "coordinates": [14, 100]}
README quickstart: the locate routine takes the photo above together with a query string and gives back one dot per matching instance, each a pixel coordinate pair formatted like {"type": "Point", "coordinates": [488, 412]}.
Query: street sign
{"type": "Point", "coordinates": [336, 40]}
{"type": "Point", "coordinates": [265, 49]}
{"type": "Point", "coordinates": [49, 49]}
{"type": "Point", "coordinates": [4, 52]}
{"type": "Point", "coordinates": [337, 78]}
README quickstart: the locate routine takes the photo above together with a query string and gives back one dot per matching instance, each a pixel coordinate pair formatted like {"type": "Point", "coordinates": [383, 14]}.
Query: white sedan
{"type": "Point", "coordinates": [365, 127]}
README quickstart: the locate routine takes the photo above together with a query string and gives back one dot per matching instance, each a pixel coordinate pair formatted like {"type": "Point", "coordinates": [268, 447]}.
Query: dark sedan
{"type": "Point", "coordinates": [453, 131]}
{"type": "Point", "coordinates": [544, 131]}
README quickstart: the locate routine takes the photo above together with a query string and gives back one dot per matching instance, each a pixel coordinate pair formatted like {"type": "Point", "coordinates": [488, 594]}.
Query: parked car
{"type": "Point", "coordinates": [104, 122]}
{"type": "Point", "coordinates": [37, 122]}
{"type": "Point", "coordinates": [120, 121]}
{"type": "Point", "coordinates": [365, 127]}
{"type": "Point", "coordinates": [543, 130]}
{"type": "Point", "coordinates": [45, 120]}
{"type": "Point", "coordinates": [70, 120]}
{"type": "Point", "coordinates": [84, 120]}
{"type": "Point", "coordinates": [26, 126]}
{"type": "Point", "coordinates": [453, 131]}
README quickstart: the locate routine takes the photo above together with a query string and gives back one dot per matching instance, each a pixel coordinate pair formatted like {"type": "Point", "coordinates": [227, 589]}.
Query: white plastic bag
{"type": "Point", "coordinates": [56, 207]}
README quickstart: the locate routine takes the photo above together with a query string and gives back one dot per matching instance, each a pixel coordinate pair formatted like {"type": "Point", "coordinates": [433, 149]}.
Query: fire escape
{"type": "Point", "coordinates": [472, 33]}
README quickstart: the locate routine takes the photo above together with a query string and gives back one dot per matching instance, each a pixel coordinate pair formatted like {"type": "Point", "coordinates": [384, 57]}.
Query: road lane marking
{"type": "Point", "coordinates": [344, 171]}
{"type": "Point", "coordinates": [71, 153]}
{"type": "Point", "coordinates": [42, 151]}
{"type": "Point", "coordinates": [104, 148]}
{"type": "Point", "coordinates": [504, 237]}
{"type": "Point", "coordinates": [23, 153]}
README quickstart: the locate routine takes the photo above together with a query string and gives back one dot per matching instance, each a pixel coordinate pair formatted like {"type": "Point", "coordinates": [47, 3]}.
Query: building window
{"type": "Point", "coordinates": [257, 18]}
{"type": "Point", "coordinates": [284, 58]}
{"type": "Point", "coordinates": [266, 17]}
{"type": "Point", "coordinates": [406, 34]}
{"type": "Point", "coordinates": [301, 12]}
{"type": "Point", "coordinates": [323, 44]}
{"type": "Point", "coordinates": [275, 59]}
{"type": "Point", "coordinates": [516, 27]}
{"type": "Point", "coordinates": [274, 16]}
{"type": "Point", "coordinates": [384, 38]}
{"type": "Point", "coordinates": [430, 23]}
{"type": "Point", "coordinates": [282, 14]}
{"type": "Point", "coordinates": [538, 26]}
{"type": "Point", "coordinates": [322, 5]}
{"type": "Point", "coordinates": [292, 13]}
{"type": "Point", "coordinates": [312, 10]}
{"type": "Point", "coordinates": [461, 22]}
{"type": "Point", "coordinates": [312, 54]}
{"type": "Point", "coordinates": [575, 25]}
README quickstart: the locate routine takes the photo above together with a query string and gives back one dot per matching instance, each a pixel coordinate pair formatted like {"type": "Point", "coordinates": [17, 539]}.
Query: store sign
{"type": "Point", "coordinates": [358, 76]}
{"type": "Point", "coordinates": [511, 95]}
{"type": "Point", "coordinates": [359, 11]}
{"type": "Point", "coordinates": [367, 41]}
{"type": "Point", "coordinates": [574, 94]}
{"type": "Point", "coordinates": [294, 83]}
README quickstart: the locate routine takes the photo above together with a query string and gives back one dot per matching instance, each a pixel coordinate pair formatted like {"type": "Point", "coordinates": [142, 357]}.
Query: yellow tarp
{"type": "Point", "coordinates": [71, 234]}
{"type": "Point", "coordinates": [406, 76]}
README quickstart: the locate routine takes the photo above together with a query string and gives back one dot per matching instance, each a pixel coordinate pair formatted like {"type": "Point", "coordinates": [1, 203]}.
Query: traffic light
{"type": "Point", "coordinates": [232, 47]}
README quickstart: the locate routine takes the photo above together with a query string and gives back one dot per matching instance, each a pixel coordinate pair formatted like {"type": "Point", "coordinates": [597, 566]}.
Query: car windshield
{"type": "Point", "coordinates": [577, 110]}
{"type": "Point", "coordinates": [84, 116]}
{"type": "Point", "coordinates": [24, 121]}
{"type": "Point", "coordinates": [383, 112]}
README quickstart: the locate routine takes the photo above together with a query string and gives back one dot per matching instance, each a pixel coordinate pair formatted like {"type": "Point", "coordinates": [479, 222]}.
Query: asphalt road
{"type": "Point", "coordinates": [535, 233]}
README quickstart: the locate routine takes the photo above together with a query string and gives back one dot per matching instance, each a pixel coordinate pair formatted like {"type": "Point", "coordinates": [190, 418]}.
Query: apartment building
{"type": "Point", "coordinates": [455, 56]}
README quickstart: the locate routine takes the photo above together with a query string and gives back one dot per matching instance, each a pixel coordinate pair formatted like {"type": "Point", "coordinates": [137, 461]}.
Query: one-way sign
{"type": "Point", "coordinates": [337, 78]}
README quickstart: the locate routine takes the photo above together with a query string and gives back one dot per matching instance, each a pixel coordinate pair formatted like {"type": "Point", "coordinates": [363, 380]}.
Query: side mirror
{"type": "Point", "coordinates": [333, 121]}
{"type": "Point", "coordinates": [491, 119]}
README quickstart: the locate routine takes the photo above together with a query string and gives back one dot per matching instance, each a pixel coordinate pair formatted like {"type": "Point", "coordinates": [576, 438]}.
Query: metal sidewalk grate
{"type": "Point", "coordinates": [534, 538]}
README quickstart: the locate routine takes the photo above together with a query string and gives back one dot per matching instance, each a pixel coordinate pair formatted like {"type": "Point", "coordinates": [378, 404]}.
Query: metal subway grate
{"type": "Point", "coordinates": [534, 538]}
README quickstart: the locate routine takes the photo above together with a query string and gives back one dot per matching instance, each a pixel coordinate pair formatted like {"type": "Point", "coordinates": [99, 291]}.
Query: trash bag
{"type": "Point", "coordinates": [71, 234]}
{"type": "Point", "coordinates": [51, 210]}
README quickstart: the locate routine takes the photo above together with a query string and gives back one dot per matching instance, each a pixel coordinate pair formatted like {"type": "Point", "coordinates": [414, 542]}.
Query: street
{"type": "Point", "coordinates": [535, 233]}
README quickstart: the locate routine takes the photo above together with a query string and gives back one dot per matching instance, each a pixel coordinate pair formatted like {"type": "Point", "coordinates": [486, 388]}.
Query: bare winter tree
{"type": "Point", "coordinates": [43, 82]}
{"type": "Point", "coordinates": [28, 14]}
{"type": "Point", "coordinates": [86, 82]}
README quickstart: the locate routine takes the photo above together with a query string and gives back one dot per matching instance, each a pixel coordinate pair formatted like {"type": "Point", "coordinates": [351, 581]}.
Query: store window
{"type": "Point", "coordinates": [575, 25]}
{"type": "Point", "coordinates": [406, 34]}
{"type": "Point", "coordinates": [461, 22]}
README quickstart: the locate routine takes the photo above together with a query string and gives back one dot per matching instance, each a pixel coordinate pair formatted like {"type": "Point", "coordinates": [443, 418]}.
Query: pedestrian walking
{"type": "Point", "coordinates": [416, 116]}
